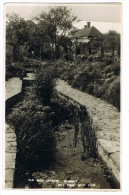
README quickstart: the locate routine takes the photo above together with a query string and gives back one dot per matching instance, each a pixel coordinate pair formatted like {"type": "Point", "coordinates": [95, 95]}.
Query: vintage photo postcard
{"type": "Point", "coordinates": [62, 96]}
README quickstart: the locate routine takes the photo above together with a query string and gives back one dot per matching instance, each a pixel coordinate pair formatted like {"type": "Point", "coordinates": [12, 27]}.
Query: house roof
{"type": "Point", "coordinates": [86, 32]}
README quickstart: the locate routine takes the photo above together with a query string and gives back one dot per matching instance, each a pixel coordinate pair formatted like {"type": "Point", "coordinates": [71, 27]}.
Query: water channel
{"type": "Point", "coordinates": [71, 169]}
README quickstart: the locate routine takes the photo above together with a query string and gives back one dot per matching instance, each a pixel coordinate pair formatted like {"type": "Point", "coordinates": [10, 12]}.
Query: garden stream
{"type": "Point", "coordinates": [71, 169]}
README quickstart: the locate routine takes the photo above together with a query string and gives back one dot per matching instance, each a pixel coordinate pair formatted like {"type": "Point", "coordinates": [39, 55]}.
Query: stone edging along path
{"type": "Point", "coordinates": [106, 122]}
{"type": "Point", "coordinates": [10, 156]}
{"type": "Point", "coordinates": [13, 94]}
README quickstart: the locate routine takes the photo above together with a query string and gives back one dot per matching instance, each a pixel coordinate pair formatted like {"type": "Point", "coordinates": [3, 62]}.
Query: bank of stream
{"type": "Point", "coordinates": [71, 167]}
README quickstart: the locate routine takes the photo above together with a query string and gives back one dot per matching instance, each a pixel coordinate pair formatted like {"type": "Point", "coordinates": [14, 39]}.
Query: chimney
{"type": "Point", "coordinates": [88, 24]}
{"type": "Point", "coordinates": [85, 26]}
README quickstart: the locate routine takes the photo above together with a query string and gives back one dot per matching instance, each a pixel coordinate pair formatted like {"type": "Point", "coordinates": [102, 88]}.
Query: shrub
{"type": "Point", "coordinates": [84, 75]}
{"type": "Point", "coordinates": [108, 69]}
{"type": "Point", "coordinates": [90, 88]}
{"type": "Point", "coordinates": [34, 135]}
{"type": "Point", "coordinates": [116, 68]}
{"type": "Point", "coordinates": [14, 71]}
{"type": "Point", "coordinates": [31, 63]}
{"type": "Point", "coordinates": [98, 91]}
{"type": "Point", "coordinates": [44, 84]}
{"type": "Point", "coordinates": [113, 93]}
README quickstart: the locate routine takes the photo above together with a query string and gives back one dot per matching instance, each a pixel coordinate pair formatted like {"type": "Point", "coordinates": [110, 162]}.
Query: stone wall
{"type": "Point", "coordinates": [10, 156]}
{"type": "Point", "coordinates": [13, 95]}
{"type": "Point", "coordinates": [101, 125]}
{"type": "Point", "coordinates": [82, 122]}
{"type": "Point", "coordinates": [13, 92]}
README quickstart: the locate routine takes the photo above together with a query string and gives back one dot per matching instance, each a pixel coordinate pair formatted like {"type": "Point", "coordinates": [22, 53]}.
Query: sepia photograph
{"type": "Point", "coordinates": [62, 96]}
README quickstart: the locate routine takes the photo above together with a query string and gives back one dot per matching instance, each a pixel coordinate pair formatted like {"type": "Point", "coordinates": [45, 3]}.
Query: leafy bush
{"type": "Point", "coordinates": [14, 71]}
{"type": "Point", "coordinates": [9, 55]}
{"type": "Point", "coordinates": [108, 69]}
{"type": "Point", "coordinates": [31, 63]}
{"type": "Point", "coordinates": [116, 68]}
{"type": "Point", "coordinates": [44, 84]}
{"type": "Point", "coordinates": [95, 78]}
{"type": "Point", "coordinates": [90, 88]}
{"type": "Point", "coordinates": [34, 135]}
{"type": "Point", "coordinates": [113, 93]}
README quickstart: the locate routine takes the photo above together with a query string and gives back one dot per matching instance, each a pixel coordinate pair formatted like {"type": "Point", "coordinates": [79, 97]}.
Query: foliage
{"type": "Point", "coordinates": [44, 83]}
{"type": "Point", "coordinates": [31, 38]}
{"type": "Point", "coordinates": [95, 44]}
{"type": "Point", "coordinates": [16, 33]}
{"type": "Point", "coordinates": [113, 93]}
{"type": "Point", "coordinates": [94, 78]}
{"type": "Point", "coordinates": [14, 71]}
{"type": "Point", "coordinates": [9, 54]}
{"type": "Point", "coordinates": [38, 38]}
{"type": "Point", "coordinates": [34, 135]}
{"type": "Point", "coordinates": [112, 41]}
{"type": "Point", "coordinates": [56, 23]}
{"type": "Point", "coordinates": [108, 69]}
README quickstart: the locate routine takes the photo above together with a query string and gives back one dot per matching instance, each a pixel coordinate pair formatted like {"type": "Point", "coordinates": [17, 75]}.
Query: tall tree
{"type": "Point", "coordinates": [37, 38]}
{"type": "Point", "coordinates": [56, 22]}
{"type": "Point", "coordinates": [16, 33]}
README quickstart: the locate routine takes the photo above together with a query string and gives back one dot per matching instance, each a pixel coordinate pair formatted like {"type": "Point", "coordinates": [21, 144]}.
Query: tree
{"type": "Point", "coordinates": [112, 41]}
{"type": "Point", "coordinates": [56, 22]}
{"type": "Point", "coordinates": [16, 33]}
{"type": "Point", "coordinates": [37, 38]}
{"type": "Point", "coordinates": [96, 44]}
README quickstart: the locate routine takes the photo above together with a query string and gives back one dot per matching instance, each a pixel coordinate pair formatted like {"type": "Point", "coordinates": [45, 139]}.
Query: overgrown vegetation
{"type": "Point", "coordinates": [14, 71]}
{"type": "Point", "coordinates": [34, 124]}
{"type": "Point", "coordinates": [19, 69]}
{"type": "Point", "coordinates": [95, 78]}
{"type": "Point", "coordinates": [44, 83]}
{"type": "Point", "coordinates": [34, 135]}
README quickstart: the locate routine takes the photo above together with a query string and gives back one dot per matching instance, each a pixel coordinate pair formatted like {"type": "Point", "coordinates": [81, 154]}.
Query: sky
{"type": "Point", "coordinates": [105, 17]}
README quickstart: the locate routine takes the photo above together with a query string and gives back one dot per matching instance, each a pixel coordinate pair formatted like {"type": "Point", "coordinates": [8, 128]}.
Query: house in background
{"type": "Point", "coordinates": [88, 32]}
{"type": "Point", "coordinates": [90, 41]}
{"type": "Point", "coordinates": [83, 40]}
